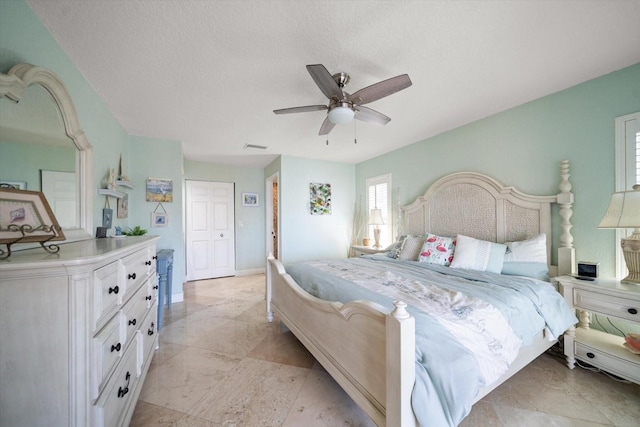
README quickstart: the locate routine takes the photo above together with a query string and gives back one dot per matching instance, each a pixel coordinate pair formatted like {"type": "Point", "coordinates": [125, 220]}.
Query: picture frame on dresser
{"type": "Point", "coordinates": [26, 217]}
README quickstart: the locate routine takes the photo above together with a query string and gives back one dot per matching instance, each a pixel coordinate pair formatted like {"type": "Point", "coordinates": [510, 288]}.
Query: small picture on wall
{"type": "Point", "coordinates": [159, 190]}
{"type": "Point", "coordinates": [319, 198]}
{"type": "Point", "coordinates": [14, 185]}
{"type": "Point", "coordinates": [159, 219]}
{"type": "Point", "coordinates": [249, 199]}
{"type": "Point", "coordinates": [123, 206]}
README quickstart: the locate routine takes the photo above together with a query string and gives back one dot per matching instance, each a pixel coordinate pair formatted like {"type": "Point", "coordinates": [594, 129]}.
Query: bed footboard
{"type": "Point", "coordinates": [371, 354]}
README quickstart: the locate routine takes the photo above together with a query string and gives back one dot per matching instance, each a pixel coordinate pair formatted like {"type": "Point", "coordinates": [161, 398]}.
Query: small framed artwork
{"type": "Point", "coordinates": [123, 206]}
{"type": "Point", "coordinates": [159, 190]}
{"type": "Point", "coordinates": [250, 199]}
{"type": "Point", "coordinates": [159, 219]}
{"type": "Point", "coordinates": [319, 198]}
{"type": "Point", "coordinates": [107, 218]}
{"type": "Point", "coordinates": [16, 185]}
{"type": "Point", "coordinates": [25, 217]}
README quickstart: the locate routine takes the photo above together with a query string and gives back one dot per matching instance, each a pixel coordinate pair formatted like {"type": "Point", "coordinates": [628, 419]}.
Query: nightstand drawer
{"type": "Point", "coordinates": [608, 362]}
{"type": "Point", "coordinates": [606, 304]}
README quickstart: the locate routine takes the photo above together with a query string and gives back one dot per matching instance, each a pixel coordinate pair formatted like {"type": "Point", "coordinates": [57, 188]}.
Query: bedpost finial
{"type": "Point", "coordinates": [400, 310]}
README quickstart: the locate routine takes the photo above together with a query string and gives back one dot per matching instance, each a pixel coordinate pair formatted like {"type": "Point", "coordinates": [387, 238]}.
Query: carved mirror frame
{"type": "Point", "coordinates": [13, 85]}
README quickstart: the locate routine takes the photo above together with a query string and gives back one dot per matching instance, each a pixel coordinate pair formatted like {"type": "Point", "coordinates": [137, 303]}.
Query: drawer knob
{"type": "Point", "coordinates": [148, 297]}
{"type": "Point", "coordinates": [154, 257]}
{"type": "Point", "coordinates": [132, 322]}
{"type": "Point", "coordinates": [147, 263]}
{"type": "Point", "coordinates": [115, 347]}
{"type": "Point", "coordinates": [150, 331]}
{"type": "Point", "coordinates": [155, 287]}
{"type": "Point", "coordinates": [591, 355]}
{"type": "Point", "coordinates": [114, 290]}
{"type": "Point", "coordinates": [633, 311]}
{"type": "Point", "coordinates": [132, 276]}
{"type": "Point", "coordinates": [125, 390]}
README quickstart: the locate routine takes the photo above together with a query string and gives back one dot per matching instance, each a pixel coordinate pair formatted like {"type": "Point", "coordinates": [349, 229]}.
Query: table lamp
{"type": "Point", "coordinates": [624, 212]}
{"type": "Point", "coordinates": [375, 218]}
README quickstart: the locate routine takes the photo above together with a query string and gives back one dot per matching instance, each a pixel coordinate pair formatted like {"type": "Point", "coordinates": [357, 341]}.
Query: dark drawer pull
{"type": "Point", "coordinates": [633, 311]}
{"type": "Point", "coordinates": [125, 390]}
{"type": "Point", "coordinates": [114, 290]}
{"type": "Point", "coordinates": [132, 276]}
{"type": "Point", "coordinates": [115, 347]}
{"type": "Point", "coordinates": [591, 355]}
{"type": "Point", "coordinates": [154, 257]}
{"type": "Point", "coordinates": [147, 263]}
{"type": "Point", "coordinates": [148, 297]}
{"type": "Point", "coordinates": [155, 287]}
{"type": "Point", "coordinates": [150, 331]}
{"type": "Point", "coordinates": [132, 322]}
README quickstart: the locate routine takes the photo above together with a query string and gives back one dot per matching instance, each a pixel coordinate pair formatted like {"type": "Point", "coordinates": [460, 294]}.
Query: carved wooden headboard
{"type": "Point", "coordinates": [476, 205]}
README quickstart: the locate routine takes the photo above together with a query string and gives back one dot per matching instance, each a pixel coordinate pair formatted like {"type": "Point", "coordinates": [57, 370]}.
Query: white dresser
{"type": "Point", "coordinates": [78, 330]}
{"type": "Point", "coordinates": [605, 351]}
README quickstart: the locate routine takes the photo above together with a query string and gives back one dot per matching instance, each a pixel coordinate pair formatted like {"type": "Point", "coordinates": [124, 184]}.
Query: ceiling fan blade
{"type": "Point", "coordinates": [327, 126]}
{"type": "Point", "coordinates": [380, 89]}
{"type": "Point", "coordinates": [300, 109]}
{"type": "Point", "coordinates": [371, 116]}
{"type": "Point", "coordinates": [325, 82]}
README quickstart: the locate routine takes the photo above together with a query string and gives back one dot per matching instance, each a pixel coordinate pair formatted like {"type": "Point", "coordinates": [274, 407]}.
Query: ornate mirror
{"type": "Point", "coordinates": [43, 148]}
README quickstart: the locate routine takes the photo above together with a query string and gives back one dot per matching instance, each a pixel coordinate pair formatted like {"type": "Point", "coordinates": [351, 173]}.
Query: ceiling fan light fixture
{"type": "Point", "coordinates": [341, 115]}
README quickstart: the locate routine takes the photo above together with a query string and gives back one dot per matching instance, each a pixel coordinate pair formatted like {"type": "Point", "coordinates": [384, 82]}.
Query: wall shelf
{"type": "Point", "coordinates": [113, 193]}
{"type": "Point", "coordinates": [126, 184]}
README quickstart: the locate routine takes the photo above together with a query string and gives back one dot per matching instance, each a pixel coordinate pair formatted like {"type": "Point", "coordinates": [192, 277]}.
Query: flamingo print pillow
{"type": "Point", "coordinates": [437, 250]}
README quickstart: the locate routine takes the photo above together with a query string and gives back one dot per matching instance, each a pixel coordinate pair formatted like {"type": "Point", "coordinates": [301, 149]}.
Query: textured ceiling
{"type": "Point", "coordinates": [209, 73]}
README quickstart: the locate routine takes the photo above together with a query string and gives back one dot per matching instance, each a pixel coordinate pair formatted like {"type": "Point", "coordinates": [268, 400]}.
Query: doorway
{"type": "Point", "coordinates": [272, 210]}
{"type": "Point", "coordinates": [210, 233]}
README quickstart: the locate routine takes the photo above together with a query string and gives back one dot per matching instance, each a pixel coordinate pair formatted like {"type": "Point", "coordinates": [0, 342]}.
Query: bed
{"type": "Point", "coordinates": [379, 345]}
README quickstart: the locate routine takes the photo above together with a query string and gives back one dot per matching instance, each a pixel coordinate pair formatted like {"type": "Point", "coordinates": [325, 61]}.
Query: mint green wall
{"type": "Point", "coordinates": [150, 157]}
{"type": "Point", "coordinates": [305, 236]}
{"type": "Point", "coordinates": [33, 158]}
{"type": "Point", "coordinates": [249, 221]}
{"type": "Point", "coordinates": [523, 147]}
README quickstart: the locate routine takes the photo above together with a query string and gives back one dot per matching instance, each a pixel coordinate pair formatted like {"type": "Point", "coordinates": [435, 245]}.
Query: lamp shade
{"type": "Point", "coordinates": [375, 217]}
{"type": "Point", "coordinates": [623, 210]}
{"type": "Point", "coordinates": [341, 115]}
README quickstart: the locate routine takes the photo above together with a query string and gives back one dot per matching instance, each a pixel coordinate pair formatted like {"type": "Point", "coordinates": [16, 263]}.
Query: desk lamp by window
{"type": "Point", "coordinates": [375, 218]}
{"type": "Point", "coordinates": [624, 212]}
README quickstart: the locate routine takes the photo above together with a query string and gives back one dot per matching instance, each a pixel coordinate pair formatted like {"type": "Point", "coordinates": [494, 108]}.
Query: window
{"type": "Point", "coordinates": [627, 170]}
{"type": "Point", "coordinates": [379, 197]}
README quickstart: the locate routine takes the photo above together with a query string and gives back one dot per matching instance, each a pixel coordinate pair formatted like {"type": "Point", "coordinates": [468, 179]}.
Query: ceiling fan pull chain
{"type": "Point", "coordinates": [355, 132]}
{"type": "Point", "coordinates": [327, 141]}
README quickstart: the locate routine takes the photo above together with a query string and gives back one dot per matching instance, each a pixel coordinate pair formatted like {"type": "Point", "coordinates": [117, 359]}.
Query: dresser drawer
{"type": "Point", "coordinates": [135, 270]}
{"type": "Point", "coordinates": [608, 362]}
{"type": "Point", "coordinates": [107, 348]}
{"type": "Point", "coordinates": [117, 396]}
{"type": "Point", "coordinates": [147, 337]}
{"type": "Point", "coordinates": [107, 294]}
{"type": "Point", "coordinates": [133, 313]}
{"type": "Point", "coordinates": [606, 304]}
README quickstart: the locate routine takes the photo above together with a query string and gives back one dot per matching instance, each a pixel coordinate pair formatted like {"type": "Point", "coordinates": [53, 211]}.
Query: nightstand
{"type": "Point", "coordinates": [358, 251]}
{"type": "Point", "coordinates": [605, 351]}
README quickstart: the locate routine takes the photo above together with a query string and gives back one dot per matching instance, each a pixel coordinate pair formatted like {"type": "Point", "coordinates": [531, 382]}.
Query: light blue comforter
{"type": "Point", "coordinates": [448, 376]}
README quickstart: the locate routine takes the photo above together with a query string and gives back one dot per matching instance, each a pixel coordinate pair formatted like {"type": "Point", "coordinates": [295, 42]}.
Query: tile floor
{"type": "Point", "coordinates": [221, 364]}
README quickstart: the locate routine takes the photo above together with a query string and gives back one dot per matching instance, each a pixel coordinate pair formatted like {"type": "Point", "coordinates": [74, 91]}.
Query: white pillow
{"type": "Point", "coordinates": [527, 258]}
{"type": "Point", "coordinates": [480, 255]}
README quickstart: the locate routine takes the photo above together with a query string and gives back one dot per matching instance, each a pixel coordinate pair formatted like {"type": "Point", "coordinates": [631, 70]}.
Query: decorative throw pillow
{"type": "Point", "coordinates": [527, 258]}
{"type": "Point", "coordinates": [437, 250]}
{"type": "Point", "coordinates": [396, 248]}
{"type": "Point", "coordinates": [480, 255]}
{"type": "Point", "coordinates": [411, 248]}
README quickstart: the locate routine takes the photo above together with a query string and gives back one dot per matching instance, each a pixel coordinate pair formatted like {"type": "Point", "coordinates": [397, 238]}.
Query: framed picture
{"type": "Point", "coordinates": [159, 190]}
{"type": "Point", "coordinates": [107, 218]}
{"type": "Point", "coordinates": [16, 185]}
{"type": "Point", "coordinates": [123, 206]}
{"type": "Point", "coordinates": [319, 199]}
{"type": "Point", "coordinates": [159, 219]}
{"type": "Point", "coordinates": [250, 199]}
{"type": "Point", "coordinates": [25, 217]}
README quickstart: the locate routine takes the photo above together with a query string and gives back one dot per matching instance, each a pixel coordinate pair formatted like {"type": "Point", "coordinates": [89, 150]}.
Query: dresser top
{"type": "Point", "coordinates": [75, 253]}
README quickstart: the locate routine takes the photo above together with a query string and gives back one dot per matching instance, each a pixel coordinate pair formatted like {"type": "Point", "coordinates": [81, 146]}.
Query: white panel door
{"type": "Point", "coordinates": [210, 230]}
{"type": "Point", "coordinates": [59, 188]}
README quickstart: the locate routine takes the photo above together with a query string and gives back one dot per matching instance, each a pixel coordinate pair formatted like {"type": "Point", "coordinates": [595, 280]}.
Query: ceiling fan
{"type": "Point", "coordinates": [344, 107]}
